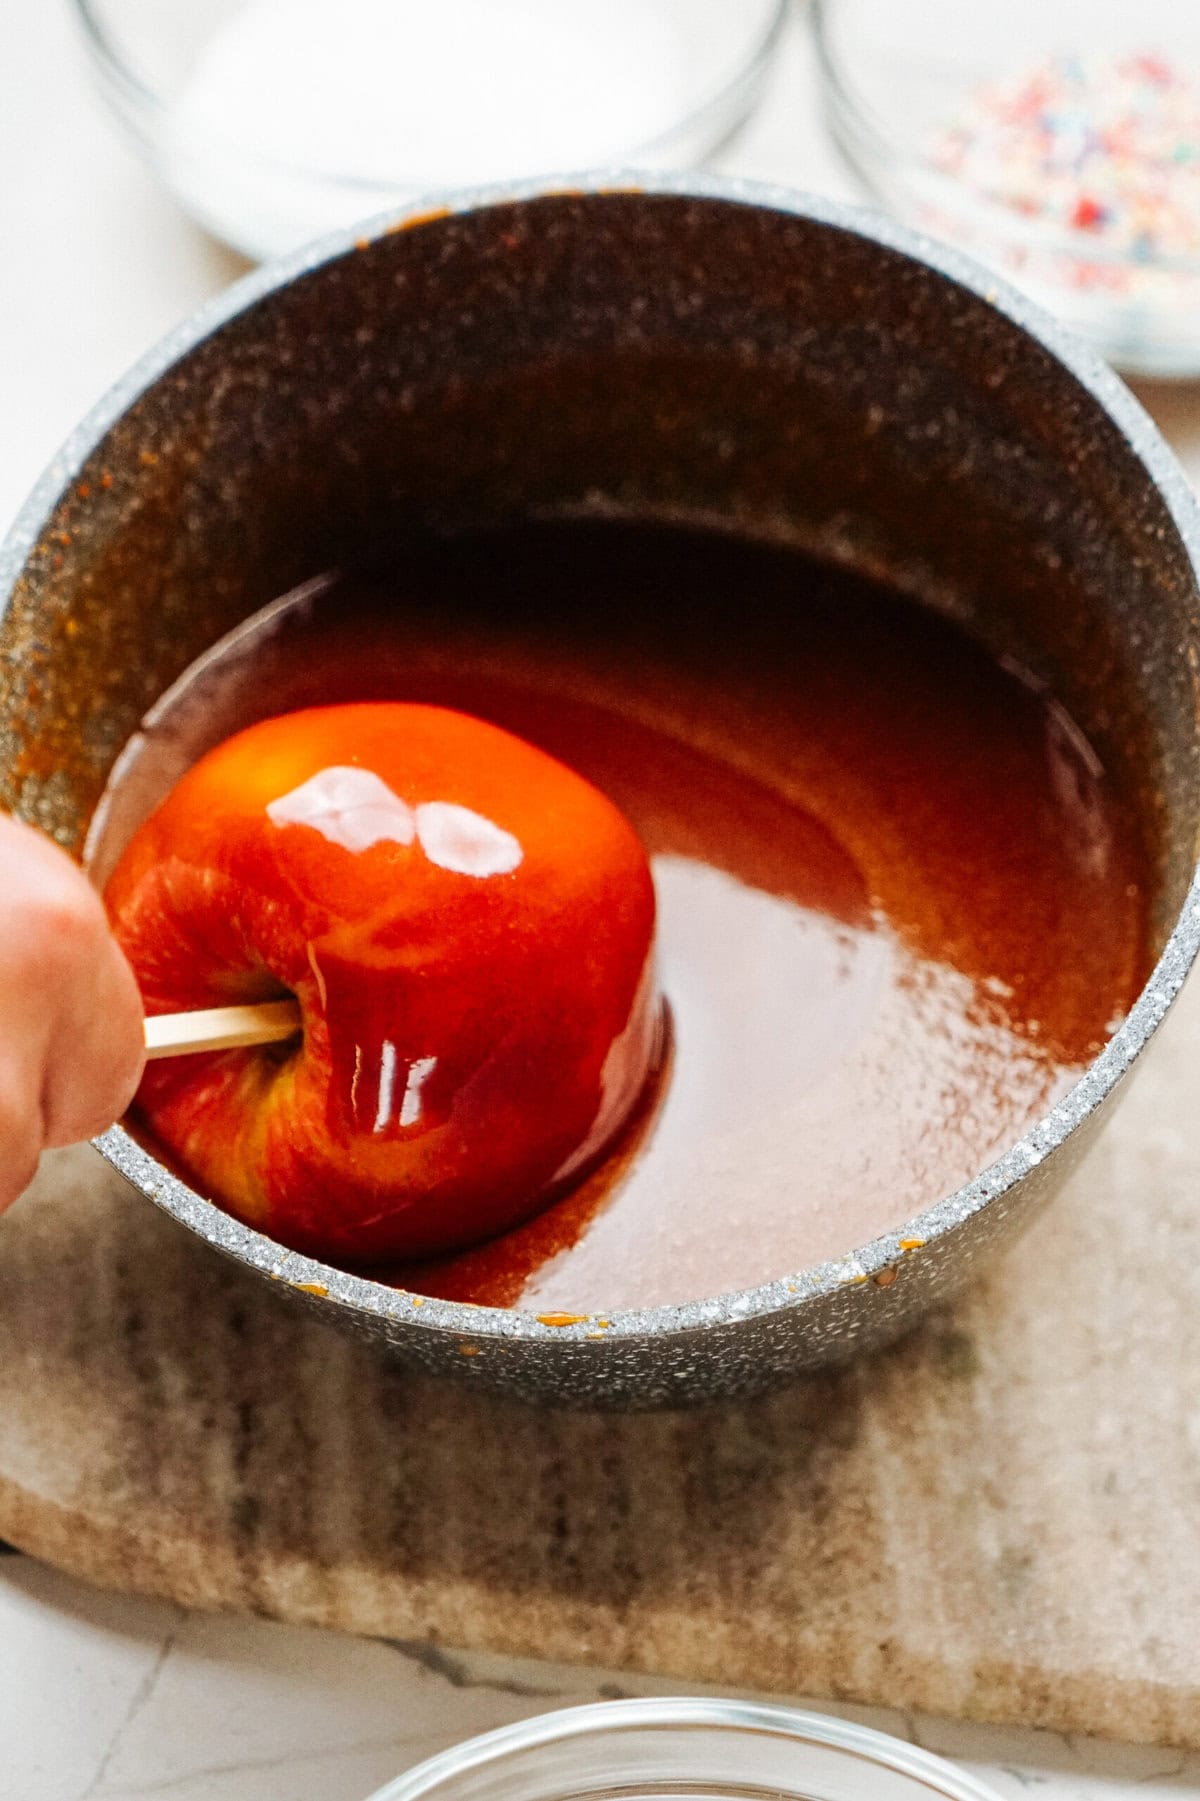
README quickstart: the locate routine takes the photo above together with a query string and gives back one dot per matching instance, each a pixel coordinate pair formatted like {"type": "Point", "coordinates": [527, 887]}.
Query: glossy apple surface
{"type": "Point", "coordinates": [468, 926]}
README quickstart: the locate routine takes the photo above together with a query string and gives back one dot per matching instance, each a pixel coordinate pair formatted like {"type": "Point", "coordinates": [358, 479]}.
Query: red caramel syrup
{"type": "Point", "coordinates": [900, 903]}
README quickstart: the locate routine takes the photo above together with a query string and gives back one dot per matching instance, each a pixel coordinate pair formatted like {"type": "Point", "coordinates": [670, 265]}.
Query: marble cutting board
{"type": "Point", "coordinates": [998, 1519]}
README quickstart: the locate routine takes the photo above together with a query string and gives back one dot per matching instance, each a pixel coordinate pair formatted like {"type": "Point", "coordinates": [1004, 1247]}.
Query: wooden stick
{"type": "Point", "coordinates": [221, 1028]}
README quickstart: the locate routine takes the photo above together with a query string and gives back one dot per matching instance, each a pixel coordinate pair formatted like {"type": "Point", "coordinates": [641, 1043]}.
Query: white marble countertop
{"type": "Point", "coordinates": [104, 1697]}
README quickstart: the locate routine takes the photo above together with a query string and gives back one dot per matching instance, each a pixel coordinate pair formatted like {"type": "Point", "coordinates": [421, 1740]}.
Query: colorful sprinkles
{"type": "Point", "coordinates": [1103, 149]}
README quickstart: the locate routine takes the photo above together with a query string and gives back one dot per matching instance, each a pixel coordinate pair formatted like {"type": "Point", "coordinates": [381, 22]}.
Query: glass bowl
{"type": "Point", "coordinates": [1050, 138]}
{"type": "Point", "coordinates": [274, 121]}
{"type": "Point", "coordinates": [690, 1750]}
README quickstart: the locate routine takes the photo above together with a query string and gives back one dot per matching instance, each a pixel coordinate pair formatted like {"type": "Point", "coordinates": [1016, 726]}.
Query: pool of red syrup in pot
{"type": "Point", "coordinates": [900, 903]}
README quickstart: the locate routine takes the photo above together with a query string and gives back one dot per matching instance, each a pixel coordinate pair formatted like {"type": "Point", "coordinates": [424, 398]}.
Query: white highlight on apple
{"type": "Point", "coordinates": [355, 809]}
{"type": "Point", "coordinates": [387, 1083]}
{"type": "Point", "coordinates": [350, 807]}
{"type": "Point", "coordinates": [419, 1072]}
{"type": "Point", "coordinates": [463, 841]}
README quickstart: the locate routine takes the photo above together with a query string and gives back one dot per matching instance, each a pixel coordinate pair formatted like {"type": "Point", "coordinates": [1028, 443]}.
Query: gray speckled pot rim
{"type": "Point", "coordinates": [786, 1292]}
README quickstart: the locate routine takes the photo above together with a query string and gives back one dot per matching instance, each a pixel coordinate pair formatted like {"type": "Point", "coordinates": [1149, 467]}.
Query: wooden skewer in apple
{"type": "Point", "coordinates": [221, 1029]}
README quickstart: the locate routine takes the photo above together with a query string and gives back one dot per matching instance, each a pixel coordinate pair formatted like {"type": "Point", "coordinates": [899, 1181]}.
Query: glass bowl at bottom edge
{"type": "Point", "coordinates": [693, 1750]}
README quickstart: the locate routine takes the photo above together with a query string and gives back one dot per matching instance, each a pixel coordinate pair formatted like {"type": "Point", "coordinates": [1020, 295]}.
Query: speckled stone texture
{"type": "Point", "coordinates": [995, 1518]}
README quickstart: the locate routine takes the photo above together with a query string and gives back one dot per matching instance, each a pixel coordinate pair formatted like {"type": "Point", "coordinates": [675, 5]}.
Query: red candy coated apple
{"type": "Point", "coordinates": [468, 927]}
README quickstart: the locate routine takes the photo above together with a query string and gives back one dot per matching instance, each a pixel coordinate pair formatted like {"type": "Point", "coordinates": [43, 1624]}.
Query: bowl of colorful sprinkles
{"type": "Point", "coordinates": [1057, 141]}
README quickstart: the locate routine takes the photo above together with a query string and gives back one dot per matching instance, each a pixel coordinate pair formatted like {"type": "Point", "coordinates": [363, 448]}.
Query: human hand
{"type": "Point", "coordinates": [71, 1032]}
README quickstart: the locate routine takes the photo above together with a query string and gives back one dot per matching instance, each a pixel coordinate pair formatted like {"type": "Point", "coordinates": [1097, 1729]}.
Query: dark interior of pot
{"type": "Point", "coordinates": [631, 354]}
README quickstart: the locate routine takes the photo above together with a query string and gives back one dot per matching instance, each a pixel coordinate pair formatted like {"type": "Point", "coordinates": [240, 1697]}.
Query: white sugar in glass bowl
{"type": "Point", "coordinates": [274, 121]}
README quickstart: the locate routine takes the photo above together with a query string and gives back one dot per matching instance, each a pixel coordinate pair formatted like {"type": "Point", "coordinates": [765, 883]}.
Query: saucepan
{"type": "Point", "coordinates": [772, 365]}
